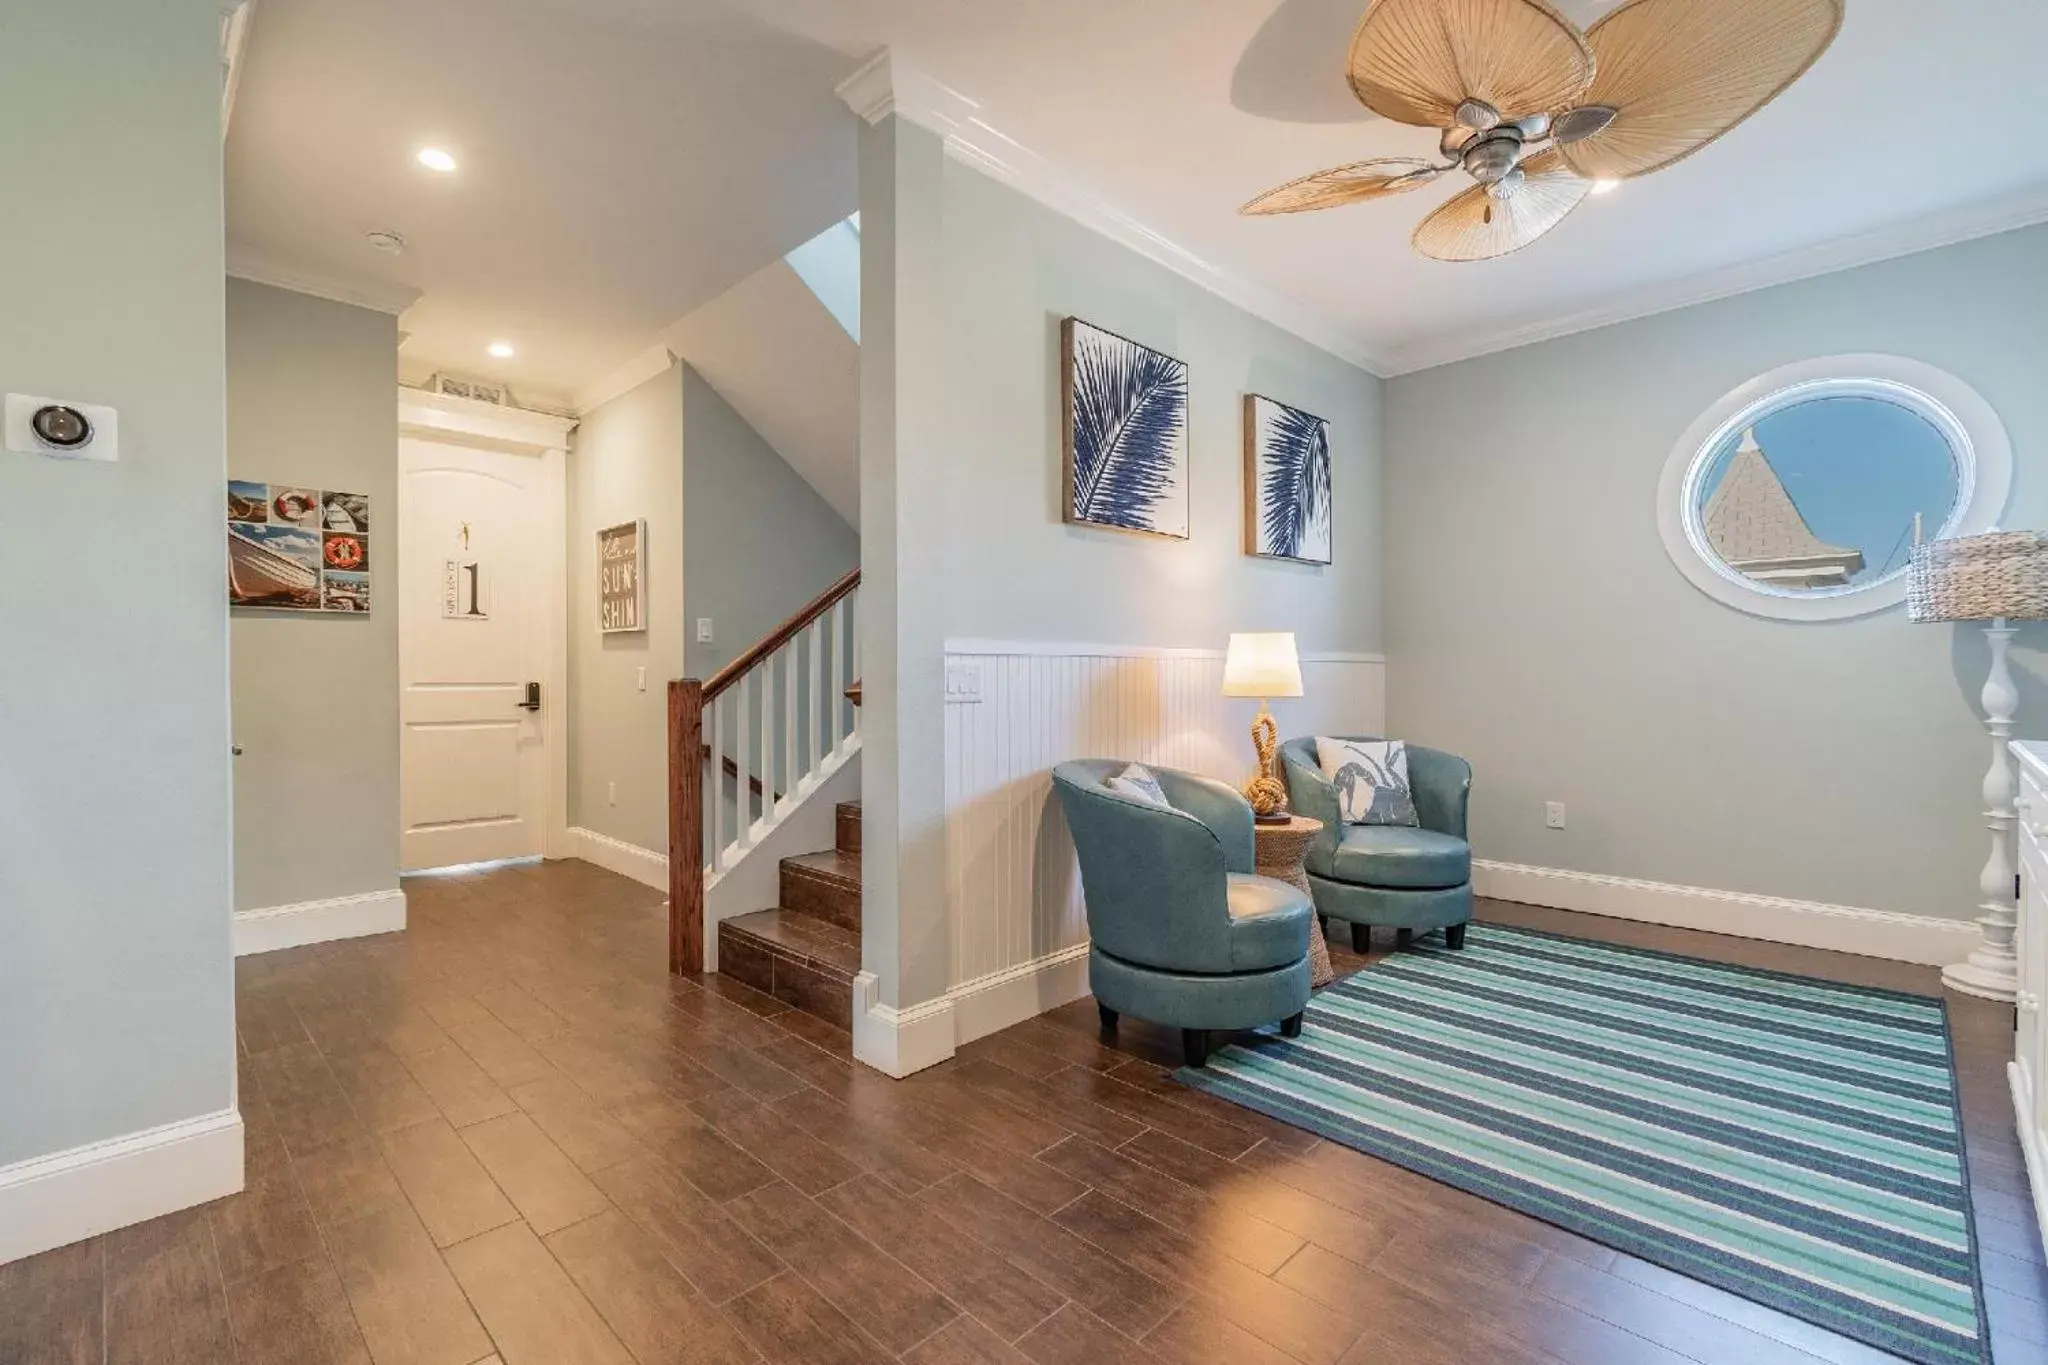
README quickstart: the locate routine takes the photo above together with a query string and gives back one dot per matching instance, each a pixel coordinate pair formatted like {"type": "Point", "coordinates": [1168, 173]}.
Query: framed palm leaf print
{"type": "Point", "coordinates": [1124, 414]}
{"type": "Point", "coordinates": [1286, 482]}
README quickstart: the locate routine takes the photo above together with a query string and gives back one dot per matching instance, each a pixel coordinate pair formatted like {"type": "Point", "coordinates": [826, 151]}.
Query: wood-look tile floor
{"type": "Point", "coordinates": [507, 1136]}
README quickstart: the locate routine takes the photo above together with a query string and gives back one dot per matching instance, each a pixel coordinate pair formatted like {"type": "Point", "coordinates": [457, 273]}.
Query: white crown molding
{"type": "Point", "coordinates": [1951, 227]}
{"type": "Point", "coordinates": [445, 414]}
{"type": "Point", "coordinates": [653, 361]}
{"type": "Point", "coordinates": [887, 84]}
{"type": "Point", "coordinates": [234, 41]}
{"type": "Point", "coordinates": [394, 299]}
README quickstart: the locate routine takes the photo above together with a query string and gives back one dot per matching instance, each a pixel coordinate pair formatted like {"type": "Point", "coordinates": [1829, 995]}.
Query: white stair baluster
{"type": "Point", "coordinates": [790, 733]}
{"type": "Point", "coordinates": [717, 766]}
{"type": "Point", "coordinates": [765, 670]}
{"type": "Point", "coordinates": [743, 824]}
{"type": "Point", "coordinates": [815, 708]}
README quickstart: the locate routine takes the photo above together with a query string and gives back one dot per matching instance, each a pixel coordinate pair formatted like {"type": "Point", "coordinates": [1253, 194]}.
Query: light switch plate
{"type": "Point", "coordinates": [703, 630]}
{"type": "Point", "coordinates": [963, 681]}
{"type": "Point", "coordinates": [640, 677]}
{"type": "Point", "coordinates": [105, 444]}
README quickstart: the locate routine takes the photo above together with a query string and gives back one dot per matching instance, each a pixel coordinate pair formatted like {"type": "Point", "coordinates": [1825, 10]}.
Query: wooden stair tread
{"type": "Point", "coordinates": [818, 942]}
{"type": "Point", "coordinates": [828, 865]}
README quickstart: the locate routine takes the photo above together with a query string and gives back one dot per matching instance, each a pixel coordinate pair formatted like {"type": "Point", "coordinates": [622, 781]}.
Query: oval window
{"type": "Point", "coordinates": [1801, 494]}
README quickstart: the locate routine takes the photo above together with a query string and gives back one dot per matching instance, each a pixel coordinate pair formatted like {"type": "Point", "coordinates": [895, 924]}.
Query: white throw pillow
{"type": "Point", "coordinates": [1138, 783]}
{"type": "Point", "coordinates": [1371, 778]}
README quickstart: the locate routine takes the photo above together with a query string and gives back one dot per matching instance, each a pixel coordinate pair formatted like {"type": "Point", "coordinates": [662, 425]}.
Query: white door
{"type": "Point", "coordinates": [472, 640]}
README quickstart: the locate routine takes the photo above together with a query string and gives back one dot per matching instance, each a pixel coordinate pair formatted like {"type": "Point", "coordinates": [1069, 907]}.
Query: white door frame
{"type": "Point", "coordinates": [464, 421]}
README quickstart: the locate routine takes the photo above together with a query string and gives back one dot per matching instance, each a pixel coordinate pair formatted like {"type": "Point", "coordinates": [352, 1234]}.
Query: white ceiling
{"type": "Point", "coordinates": [627, 160]}
{"type": "Point", "coordinates": [621, 164]}
{"type": "Point", "coordinates": [1176, 111]}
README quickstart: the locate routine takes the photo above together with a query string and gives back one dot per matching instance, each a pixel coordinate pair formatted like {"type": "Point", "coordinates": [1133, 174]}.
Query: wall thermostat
{"type": "Point", "coordinates": [60, 428]}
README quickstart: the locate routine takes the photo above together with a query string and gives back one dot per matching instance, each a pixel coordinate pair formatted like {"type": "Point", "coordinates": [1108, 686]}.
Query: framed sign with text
{"type": "Point", "coordinates": [622, 577]}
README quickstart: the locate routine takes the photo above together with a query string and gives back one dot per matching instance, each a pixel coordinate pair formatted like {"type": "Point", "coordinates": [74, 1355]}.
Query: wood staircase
{"type": "Point", "coordinates": [806, 951]}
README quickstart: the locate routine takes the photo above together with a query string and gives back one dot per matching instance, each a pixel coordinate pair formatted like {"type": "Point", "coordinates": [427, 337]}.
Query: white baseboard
{"type": "Point", "coordinates": [643, 865]}
{"type": "Point", "coordinates": [991, 1003]}
{"type": "Point", "coordinates": [2030, 1144]}
{"type": "Point", "coordinates": [294, 926]}
{"type": "Point", "coordinates": [1809, 924]}
{"type": "Point", "coordinates": [53, 1201]}
{"type": "Point", "coordinates": [899, 1042]}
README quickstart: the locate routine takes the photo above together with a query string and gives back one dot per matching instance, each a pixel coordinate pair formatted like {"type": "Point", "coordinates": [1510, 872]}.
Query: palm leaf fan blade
{"type": "Point", "coordinates": [1478, 226]}
{"type": "Point", "coordinates": [1130, 410]}
{"type": "Point", "coordinates": [1681, 75]}
{"type": "Point", "coordinates": [1352, 184]}
{"type": "Point", "coordinates": [1415, 61]}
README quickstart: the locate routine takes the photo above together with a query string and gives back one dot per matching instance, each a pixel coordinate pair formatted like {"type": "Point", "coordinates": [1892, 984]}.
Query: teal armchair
{"type": "Point", "coordinates": [1182, 931]}
{"type": "Point", "coordinates": [1409, 878]}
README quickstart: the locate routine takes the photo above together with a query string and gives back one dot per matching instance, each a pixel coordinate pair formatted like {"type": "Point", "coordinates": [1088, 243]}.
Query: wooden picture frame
{"type": "Point", "coordinates": [1147, 489]}
{"type": "Point", "coordinates": [1290, 446]}
{"type": "Point", "coordinates": [622, 578]}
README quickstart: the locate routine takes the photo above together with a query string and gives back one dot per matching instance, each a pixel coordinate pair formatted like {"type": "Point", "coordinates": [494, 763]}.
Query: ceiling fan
{"type": "Point", "coordinates": [1536, 111]}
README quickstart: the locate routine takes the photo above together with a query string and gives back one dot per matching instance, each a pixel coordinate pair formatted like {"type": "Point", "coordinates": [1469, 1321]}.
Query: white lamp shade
{"type": "Point", "coordinates": [1262, 664]}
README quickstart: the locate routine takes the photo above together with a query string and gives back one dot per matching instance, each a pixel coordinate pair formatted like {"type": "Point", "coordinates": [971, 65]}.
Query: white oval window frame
{"type": "Point", "coordinates": [1977, 441]}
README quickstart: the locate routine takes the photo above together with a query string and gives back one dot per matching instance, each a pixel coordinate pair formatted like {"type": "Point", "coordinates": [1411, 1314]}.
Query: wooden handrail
{"type": "Point", "coordinates": [780, 636]}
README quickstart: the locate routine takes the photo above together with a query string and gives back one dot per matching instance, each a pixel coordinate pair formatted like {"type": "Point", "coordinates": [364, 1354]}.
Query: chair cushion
{"type": "Point", "coordinates": [1399, 856]}
{"type": "Point", "coordinates": [1269, 923]}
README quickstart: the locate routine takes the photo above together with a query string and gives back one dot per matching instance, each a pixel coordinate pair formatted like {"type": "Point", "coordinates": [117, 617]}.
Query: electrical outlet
{"type": "Point", "coordinates": [1553, 814]}
{"type": "Point", "coordinates": [640, 677]}
{"type": "Point", "coordinates": [963, 681]}
{"type": "Point", "coordinates": [703, 630]}
{"type": "Point", "coordinates": [611, 793]}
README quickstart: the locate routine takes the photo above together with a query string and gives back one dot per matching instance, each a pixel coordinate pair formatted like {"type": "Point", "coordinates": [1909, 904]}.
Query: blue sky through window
{"type": "Point", "coordinates": [1857, 469]}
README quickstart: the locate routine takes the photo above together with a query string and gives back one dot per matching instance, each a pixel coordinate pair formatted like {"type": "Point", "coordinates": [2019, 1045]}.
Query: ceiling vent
{"type": "Point", "coordinates": [476, 390]}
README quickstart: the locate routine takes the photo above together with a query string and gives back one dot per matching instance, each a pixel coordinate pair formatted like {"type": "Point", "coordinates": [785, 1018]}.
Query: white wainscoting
{"type": "Point", "coordinates": [1012, 885]}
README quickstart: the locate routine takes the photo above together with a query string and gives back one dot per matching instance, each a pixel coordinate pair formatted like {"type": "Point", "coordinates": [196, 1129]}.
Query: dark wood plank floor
{"type": "Point", "coordinates": [507, 1136]}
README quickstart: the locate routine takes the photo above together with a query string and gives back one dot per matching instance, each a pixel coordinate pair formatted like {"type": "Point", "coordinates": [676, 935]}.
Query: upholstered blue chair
{"type": "Point", "coordinates": [1409, 877]}
{"type": "Point", "coordinates": [1184, 933]}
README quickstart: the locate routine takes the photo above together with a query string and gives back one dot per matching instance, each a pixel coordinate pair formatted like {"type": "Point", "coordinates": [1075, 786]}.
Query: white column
{"type": "Point", "coordinates": [1991, 970]}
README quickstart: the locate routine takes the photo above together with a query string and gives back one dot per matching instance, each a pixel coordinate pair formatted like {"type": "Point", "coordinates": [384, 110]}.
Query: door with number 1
{"type": "Point", "coordinates": [472, 651]}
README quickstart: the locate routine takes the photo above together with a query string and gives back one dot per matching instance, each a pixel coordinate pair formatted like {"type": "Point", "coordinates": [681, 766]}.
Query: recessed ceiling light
{"type": "Point", "coordinates": [437, 159]}
{"type": "Point", "coordinates": [1606, 186]}
{"type": "Point", "coordinates": [390, 243]}
{"type": "Point", "coordinates": [503, 350]}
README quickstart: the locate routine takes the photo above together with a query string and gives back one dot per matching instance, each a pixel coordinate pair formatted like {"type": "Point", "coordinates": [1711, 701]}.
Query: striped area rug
{"type": "Point", "coordinates": [1791, 1140]}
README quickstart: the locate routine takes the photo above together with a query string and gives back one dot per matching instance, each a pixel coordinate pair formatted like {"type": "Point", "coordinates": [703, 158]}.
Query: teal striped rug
{"type": "Point", "coordinates": [1791, 1140]}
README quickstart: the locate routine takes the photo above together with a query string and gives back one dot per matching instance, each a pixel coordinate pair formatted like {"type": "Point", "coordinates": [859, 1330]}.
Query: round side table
{"type": "Point", "coordinates": [1279, 851]}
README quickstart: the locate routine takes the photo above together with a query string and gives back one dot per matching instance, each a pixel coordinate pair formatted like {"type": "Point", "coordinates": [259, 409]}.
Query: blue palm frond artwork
{"type": "Point", "coordinates": [1125, 410]}
{"type": "Point", "coordinates": [1287, 482]}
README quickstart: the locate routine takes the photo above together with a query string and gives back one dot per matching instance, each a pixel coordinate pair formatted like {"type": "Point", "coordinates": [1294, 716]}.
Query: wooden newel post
{"type": "Point", "coordinates": [686, 826]}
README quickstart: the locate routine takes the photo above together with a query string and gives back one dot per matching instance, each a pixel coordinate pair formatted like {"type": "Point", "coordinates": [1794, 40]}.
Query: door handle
{"type": "Point", "coordinates": [532, 702]}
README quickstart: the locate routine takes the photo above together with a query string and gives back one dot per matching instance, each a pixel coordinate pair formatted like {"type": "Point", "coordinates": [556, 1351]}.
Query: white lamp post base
{"type": "Point", "coordinates": [1992, 968]}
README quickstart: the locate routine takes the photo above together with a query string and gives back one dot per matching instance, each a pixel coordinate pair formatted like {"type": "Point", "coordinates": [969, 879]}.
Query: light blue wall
{"type": "Point", "coordinates": [1014, 269]}
{"type": "Point", "coordinates": [1536, 625]}
{"type": "Point", "coordinates": [116, 980]}
{"type": "Point", "coordinates": [312, 401]}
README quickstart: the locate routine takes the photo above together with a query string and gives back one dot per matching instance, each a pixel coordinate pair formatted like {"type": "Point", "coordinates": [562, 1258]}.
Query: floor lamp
{"type": "Point", "coordinates": [1994, 578]}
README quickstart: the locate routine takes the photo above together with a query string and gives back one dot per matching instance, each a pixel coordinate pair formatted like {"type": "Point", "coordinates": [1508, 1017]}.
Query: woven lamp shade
{"type": "Point", "coordinates": [1980, 578]}
{"type": "Point", "coordinates": [1682, 73]}
{"type": "Point", "coordinates": [1475, 226]}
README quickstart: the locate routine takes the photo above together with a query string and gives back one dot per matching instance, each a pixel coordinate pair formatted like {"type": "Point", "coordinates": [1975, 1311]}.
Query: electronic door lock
{"type": "Point", "coordinates": [532, 702]}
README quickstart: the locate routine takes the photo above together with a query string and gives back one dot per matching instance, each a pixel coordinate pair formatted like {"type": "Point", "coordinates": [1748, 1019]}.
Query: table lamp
{"type": "Point", "coordinates": [1264, 665]}
{"type": "Point", "coordinates": [1994, 578]}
